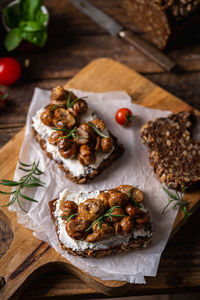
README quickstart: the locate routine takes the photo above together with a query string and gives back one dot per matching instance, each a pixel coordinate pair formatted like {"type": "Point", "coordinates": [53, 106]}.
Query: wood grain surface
{"type": "Point", "coordinates": [26, 254]}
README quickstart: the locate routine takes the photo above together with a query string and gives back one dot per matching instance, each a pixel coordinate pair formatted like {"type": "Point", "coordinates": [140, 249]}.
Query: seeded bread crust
{"type": "Point", "coordinates": [117, 152]}
{"type": "Point", "coordinates": [173, 153]}
{"type": "Point", "coordinates": [133, 244]}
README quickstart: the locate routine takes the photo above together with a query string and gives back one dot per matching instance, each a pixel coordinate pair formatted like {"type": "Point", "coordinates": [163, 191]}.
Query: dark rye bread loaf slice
{"type": "Point", "coordinates": [174, 155]}
{"type": "Point", "coordinates": [133, 244]}
{"type": "Point", "coordinates": [116, 153]}
{"type": "Point", "coordinates": [163, 20]}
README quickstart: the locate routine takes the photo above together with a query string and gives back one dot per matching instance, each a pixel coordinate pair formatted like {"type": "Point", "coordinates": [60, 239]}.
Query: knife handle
{"type": "Point", "coordinates": [144, 47]}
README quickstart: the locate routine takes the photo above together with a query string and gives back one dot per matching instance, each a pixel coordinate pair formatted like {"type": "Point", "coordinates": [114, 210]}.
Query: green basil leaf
{"type": "Point", "coordinates": [13, 39]}
{"type": "Point", "coordinates": [38, 38]}
{"type": "Point", "coordinates": [31, 26]}
{"type": "Point", "coordinates": [12, 15]}
{"type": "Point", "coordinates": [29, 9]}
{"type": "Point", "coordinates": [41, 17]}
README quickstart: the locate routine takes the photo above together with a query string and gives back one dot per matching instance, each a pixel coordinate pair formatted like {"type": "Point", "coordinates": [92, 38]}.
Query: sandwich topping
{"type": "Point", "coordinates": [73, 133]}
{"type": "Point", "coordinates": [99, 220]}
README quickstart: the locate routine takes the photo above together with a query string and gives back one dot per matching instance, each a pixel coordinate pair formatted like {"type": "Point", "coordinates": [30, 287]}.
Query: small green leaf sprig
{"type": "Point", "coordinates": [30, 180]}
{"type": "Point", "coordinates": [177, 200]}
{"type": "Point", "coordinates": [68, 103]}
{"type": "Point", "coordinates": [132, 200]}
{"type": "Point", "coordinates": [97, 130]}
{"type": "Point", "coordinates": [107, 214]}
{"type": "Point", "coordinates": [70, 132]}
{"type": "Point", "coordinates": [69, 217]}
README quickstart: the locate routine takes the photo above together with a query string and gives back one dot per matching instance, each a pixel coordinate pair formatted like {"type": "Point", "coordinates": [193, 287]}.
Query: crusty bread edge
{"type": "Point", "coordinates": [133, 244]}
{"type": "Point", "coordinates": [116, 153]}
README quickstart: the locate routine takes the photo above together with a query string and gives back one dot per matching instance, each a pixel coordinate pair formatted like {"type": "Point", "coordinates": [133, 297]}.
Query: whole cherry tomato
{"type": "Point", "coordinates": [124, 116]}
{"type": "Point", "coordinates": [10, 70]}
{"type": "Point", "coordinates": [2, 99]}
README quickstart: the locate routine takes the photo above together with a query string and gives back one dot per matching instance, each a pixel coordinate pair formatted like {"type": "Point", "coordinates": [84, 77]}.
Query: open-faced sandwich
{"type": "Point", "coordinates": [71, 134]}
{"type": "Point", "coordinates": [174, 154]}
{"type": "Point", "coordinates": [98, 223]}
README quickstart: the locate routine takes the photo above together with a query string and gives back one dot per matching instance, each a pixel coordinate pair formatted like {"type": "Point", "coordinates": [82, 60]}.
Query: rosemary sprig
{"type": "Point", "coordinates": [97, 130]}
{"type": "Point", "coordinates": [70, 132]}
{"type": "Point", "coordinates": [68, 103]}
{"type": "Point", "coordinates": [30, 180]}
{"type": "Point", "coordinates": [71, 103]}
{"type": "Point", "coordinates": [107, 214]}
{"type": "Point", "coordinates": [132, 200]}
{"type": "Point", "coordinates": [178, 200]}
{"type": "Point", "coordinates": [68, 218]}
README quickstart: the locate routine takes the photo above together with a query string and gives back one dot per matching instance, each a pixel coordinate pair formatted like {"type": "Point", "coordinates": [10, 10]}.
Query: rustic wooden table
{"type": "Point", "coordinates": [74, 40]}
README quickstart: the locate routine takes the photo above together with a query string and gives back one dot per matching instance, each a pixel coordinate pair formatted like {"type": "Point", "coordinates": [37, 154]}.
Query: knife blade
{"type": "Point", "coordinates": [116, 29]}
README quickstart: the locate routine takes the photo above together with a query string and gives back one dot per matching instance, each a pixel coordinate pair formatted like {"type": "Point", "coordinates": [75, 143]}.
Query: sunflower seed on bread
{"type": "Point", "coordinates": [173, 153]}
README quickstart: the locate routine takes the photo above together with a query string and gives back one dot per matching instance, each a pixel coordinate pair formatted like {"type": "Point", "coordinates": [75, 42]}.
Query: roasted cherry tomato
{"type": "Point", "coordinates": [10, 70]}
{"type": "Point", "coordinates": [2, 99]}
{"type": "Point", "coordinates": [124, 116]}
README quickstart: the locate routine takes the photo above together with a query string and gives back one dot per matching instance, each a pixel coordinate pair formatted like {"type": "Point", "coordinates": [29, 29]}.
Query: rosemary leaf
{"type": "Point", "coordinates": [69, 99]}
{"type": "Point", "coordinates": [27, 198]}
{"type": "Point", "coordinates": [25, 170]}
{"type": "Point", "coordinates": [97, 130]}
{"type": "Point", "coordinates": [7, 193]}
{"type": "Point", "coordinates": [24, 165]}
{"type": "Point", "coordinates": [107, 214]}
{"type": "Point", "coordinates": [29, 180]}
{"type": "Point", "coordinates": [177, 199]}
{"type": "Point", "coordinates": [9, 183]}
{"type": "Point", "coordinates": [30, 185]}
{"type": "Point", "coordinates": [172, 196]}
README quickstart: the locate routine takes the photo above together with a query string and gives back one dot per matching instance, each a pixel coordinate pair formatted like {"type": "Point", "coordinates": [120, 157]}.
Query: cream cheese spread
{"type": "Point", "coordinates": [67, 241]}
{"type": "Point", "coordinates": [73, 165]}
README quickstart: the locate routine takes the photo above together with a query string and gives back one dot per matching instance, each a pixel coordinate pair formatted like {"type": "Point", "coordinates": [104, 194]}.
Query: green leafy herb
{"type": "Point", "coordinates": [27, 21]}
{"type": "Point", "coordinates": [70, 132]}
{"type": "Point", "coordinates": [68, 103]}
{"type": "Point", "coordinates": [107, 214]}
{"type": "Point", "coordinates": [71, 103]}
{"type": "Point", "coordinates": [29, 180]}
{"type": "Point", "coordinates": [132, 200]}
{"type": "Point", "coordinates": [97, 130]}
{"type": "Point", "coordinates": [177, 199]}
{"type": "Point", "coordinates": [69, 217]}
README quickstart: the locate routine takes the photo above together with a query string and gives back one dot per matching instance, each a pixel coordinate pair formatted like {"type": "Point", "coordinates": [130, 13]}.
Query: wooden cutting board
{"type": "Point", "coordinates": [28, 256]}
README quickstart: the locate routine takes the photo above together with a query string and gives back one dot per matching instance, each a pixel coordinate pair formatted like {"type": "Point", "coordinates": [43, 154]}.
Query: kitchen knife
{"type": "Point", "coordinates": [115, 29]}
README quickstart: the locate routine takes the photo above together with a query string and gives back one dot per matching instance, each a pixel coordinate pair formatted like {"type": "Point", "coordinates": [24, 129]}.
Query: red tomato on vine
{"type": "Point", "coordinates": [124, 116]}
{"type": "Point", "coordinates": [10, 70]}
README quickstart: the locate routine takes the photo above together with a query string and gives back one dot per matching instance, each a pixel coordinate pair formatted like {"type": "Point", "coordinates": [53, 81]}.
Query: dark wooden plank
{"type": "Point", "coordinates": [75, 40]}
{"type": "Point", "coordinates": [13, 117]}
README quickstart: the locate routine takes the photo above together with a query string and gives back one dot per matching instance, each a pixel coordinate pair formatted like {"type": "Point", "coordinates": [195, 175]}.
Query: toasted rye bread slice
{"type": "Point", "coordinates": [133, 244]}
{"type": "Point", "coordinates": [116, 153]}
{"type": "Point", "coordinates": [174, 154]}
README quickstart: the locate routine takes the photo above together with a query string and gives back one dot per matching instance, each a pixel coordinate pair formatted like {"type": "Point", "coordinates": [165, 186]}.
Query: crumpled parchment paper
{"type": "Point", "coordinates": [132, 168]}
